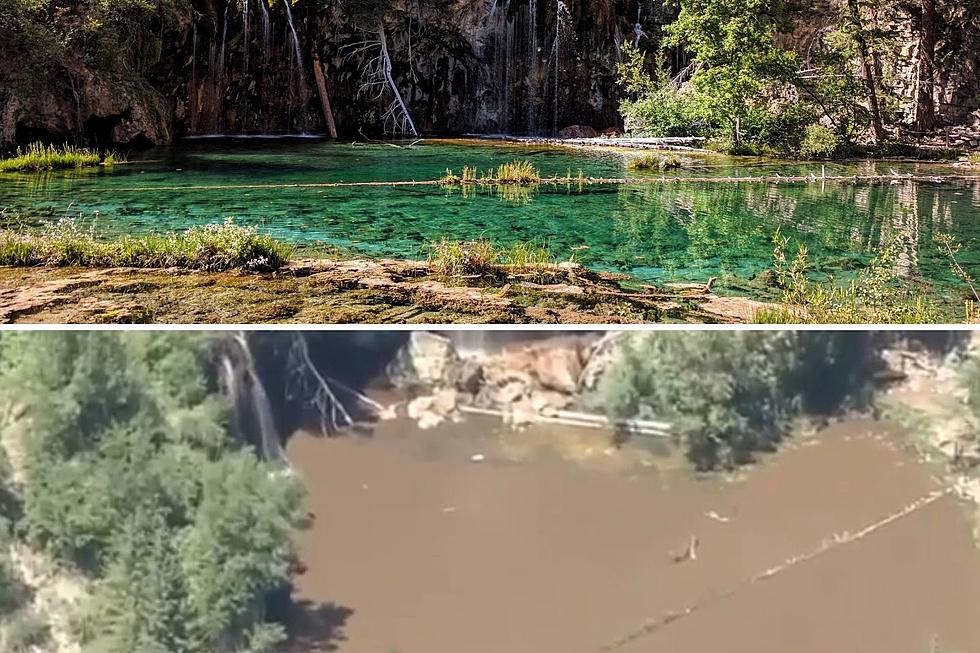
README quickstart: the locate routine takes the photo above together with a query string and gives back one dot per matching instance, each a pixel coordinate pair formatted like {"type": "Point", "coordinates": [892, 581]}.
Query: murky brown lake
{"type": "Point", "coordinates": [416, 549]}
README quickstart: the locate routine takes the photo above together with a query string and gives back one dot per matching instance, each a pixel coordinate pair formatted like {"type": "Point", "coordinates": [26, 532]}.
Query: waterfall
{"type": "Point", "coordinates": [192, 94]}
{"type": "Point", "coordinates": [532, 60]}
{"type": "Point", "coordinates": [562, 18]}
{"type": "Point", "coordinates": [298, 52]}
{"type": "Point", "coordinates": [516, 64]}
{"type": "Point", "coordinates": [220, 74]}
{"type": "Point", "coordinates": [253, 403]}
{"type": "Point", "coordinates": [528, 86]}
{"type": "Point", "coordinates": [245, 35]}
{"type": "Point", "coordinates": [266, 29]}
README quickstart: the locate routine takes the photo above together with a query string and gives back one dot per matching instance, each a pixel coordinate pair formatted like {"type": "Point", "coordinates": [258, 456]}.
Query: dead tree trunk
{"type": "Point", "coordinates": [925, 105]}
{"type": "Point", "coordinates": [321, 86]}
{"type": "Point", "coordinates": [386, 67]}
{"type": "Point", "coordinates": [867, 66]}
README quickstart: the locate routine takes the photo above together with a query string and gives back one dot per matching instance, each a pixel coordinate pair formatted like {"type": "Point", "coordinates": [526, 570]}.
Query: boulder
{"type": "Point", "coordinates": [426, 359]}
{"type": "Point", "coordinates": [558, 369]}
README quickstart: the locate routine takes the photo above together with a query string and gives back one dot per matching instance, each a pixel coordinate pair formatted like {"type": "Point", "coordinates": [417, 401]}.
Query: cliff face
{"type": "Point", "coordinates": [489, 66]}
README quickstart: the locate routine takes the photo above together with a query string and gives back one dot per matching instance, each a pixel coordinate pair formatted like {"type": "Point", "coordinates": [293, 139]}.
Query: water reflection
{"type": "Point", "coordinates": [664, 231]}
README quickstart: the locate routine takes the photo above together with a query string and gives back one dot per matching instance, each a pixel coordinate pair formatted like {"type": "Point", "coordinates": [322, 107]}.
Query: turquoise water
{"type": "Point", "coordinates": [660, 232]}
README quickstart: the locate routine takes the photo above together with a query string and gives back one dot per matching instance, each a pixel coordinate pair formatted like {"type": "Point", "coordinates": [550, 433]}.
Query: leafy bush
{"type": "Point", "coordinates": [731, 394]}
{"type": "Point", "coordinates": [654, 108]}
{"type": "Point", "coordinates": [820, 142]}
{"type": "Point", "coordinates": [212, 247]}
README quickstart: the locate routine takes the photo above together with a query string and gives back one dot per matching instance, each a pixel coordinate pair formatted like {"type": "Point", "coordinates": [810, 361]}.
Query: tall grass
{"type": "Point", "coordinates": [481, 257]}
{"type": "Point", "coordinates": [518, 172]}
{"type": "Point", "coordinates": [212, 247]}
{"type": "Point", "coordinates": [39, 157]}
{"type": "Point", "coordinates": [878, 296]}
{"type": "Point", "coordinates": [515, 172]}
{"type": "Point", "coordinates": [462, 257]}
{"type": "Point", "coordinates": [527, 256]}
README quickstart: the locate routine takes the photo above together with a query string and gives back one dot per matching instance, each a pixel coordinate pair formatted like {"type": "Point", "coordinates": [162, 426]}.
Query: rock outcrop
{"type": "Point", "coordinates": [496, 66]}
{"type": "Point", "coordinates": [522, 383]}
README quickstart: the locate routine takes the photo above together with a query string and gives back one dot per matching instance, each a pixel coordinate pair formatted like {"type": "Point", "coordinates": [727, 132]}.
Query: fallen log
{"type": "Point", "coordinates": [585, 420]}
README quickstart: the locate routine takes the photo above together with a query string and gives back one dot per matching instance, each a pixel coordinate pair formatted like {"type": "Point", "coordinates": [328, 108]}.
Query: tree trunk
{"type": "Point", "coordinates": [386, 69]}
{"type": "Point", "coordinates": [321, 87]}
{"type": "Point", "coordinates": [925, 105]}
{"type": "Point", "coordinates": [868, 68]}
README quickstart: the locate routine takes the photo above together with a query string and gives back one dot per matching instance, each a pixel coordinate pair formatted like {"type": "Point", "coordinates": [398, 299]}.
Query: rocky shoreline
{"type": "Point", "coordinates": [318, 291]}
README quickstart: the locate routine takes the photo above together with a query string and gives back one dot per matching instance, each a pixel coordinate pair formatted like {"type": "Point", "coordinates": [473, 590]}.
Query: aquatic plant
{"type": "Point", "coordinates": [466, 176]}
{"type": "Point", "coordinates": [39, 157]}
{"type": "Point", "coordinates": [518, 172]}
{"type": "Point", "coordinates": [211, 247]}
{"type": "Point", "coordinates": [878, 296]}
{"type": "Point", "coordinates": [654, 162]}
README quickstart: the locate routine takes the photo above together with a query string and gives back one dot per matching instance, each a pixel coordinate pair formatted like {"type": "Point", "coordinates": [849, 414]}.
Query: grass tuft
{"type": "Point", "coordinates": [462, 257]}
{"type": "Point", "coordinates": [654, 162]}
{"type": "Point", "coordinates": [527, 256]}
{"type": "Point", "coordinates": [481, 257]}
{"type": "Point", "coordinates": [212, 247]}
{"type": "Point", "coordinates": [518, 172]}
{"type": "Point", "coordinates": [39, 157]}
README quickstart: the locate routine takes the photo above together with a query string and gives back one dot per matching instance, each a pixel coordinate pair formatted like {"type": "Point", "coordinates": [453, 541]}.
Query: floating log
{"type": "Point", "coordinates": [586, 420]}
{"type": "Point", "coordinates": [564, 181]}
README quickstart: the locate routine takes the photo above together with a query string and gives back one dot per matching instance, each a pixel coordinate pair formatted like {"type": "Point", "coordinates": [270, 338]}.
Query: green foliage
{"type": "Point", "coordinates": [732, 394]}
{"type": "Point", "coordinates": [969, 378]}
{"type": "Point", "coordinates": [131, 478]}
{"type": "Point", "coordinates": [734, 43]}
{"type": "Point", "coordinates": [879, 295]}
{"type": "Point", "coordinates": [118, 36]}
{"type": "Point", "coordinates": [40, 157]}
{"type": "Point", "coordinates": [819, 143]}
{"type": "Point", "coordinates": [654, 108]}
{"type": "Point", "coordinates": [212, 247]}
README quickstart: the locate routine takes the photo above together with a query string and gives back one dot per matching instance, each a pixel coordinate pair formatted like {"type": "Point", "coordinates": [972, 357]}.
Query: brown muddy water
{"type": "Point", "coordinates": [416, 549]}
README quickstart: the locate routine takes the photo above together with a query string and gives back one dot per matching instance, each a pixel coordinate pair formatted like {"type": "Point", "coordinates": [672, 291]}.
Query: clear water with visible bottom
{"type": "Point", "coordinates": [655, 232]}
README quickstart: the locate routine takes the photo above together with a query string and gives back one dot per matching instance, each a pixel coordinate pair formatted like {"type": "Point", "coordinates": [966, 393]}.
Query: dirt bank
{"type": "Point", "coordinates": [417, 549]}
{"type": "Point", "coordinates": [352, 291]}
